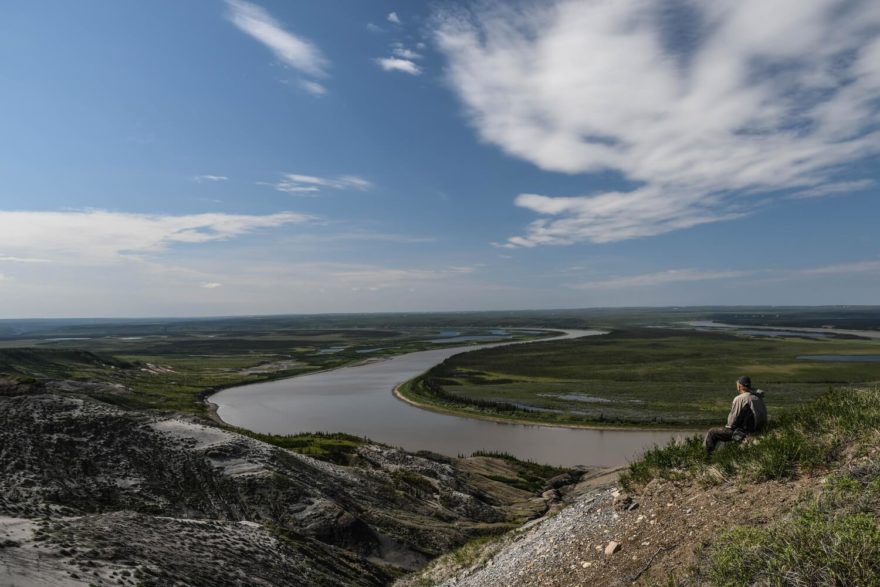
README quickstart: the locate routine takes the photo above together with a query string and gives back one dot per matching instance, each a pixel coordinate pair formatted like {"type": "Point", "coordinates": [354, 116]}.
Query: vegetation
{"type": "Point", "coordinates": [531, 476]}
{"type": "Point", "coordinates": [173, 365]}
{"type": "Point", "coordinates": [638, 376]}
{"type": "Point", "coordinates": [817, 546]}
{"type": "Point", "coordinates": [335, 447]}
{"type": "Point", "coordinates": [804, 440]}
{"type": "Point", "coordinates": [832, 538]}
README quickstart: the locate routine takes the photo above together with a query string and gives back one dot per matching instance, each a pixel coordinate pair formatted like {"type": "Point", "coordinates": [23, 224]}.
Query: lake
{"type": "Point", "coordinates": [842, 358]}
{"type": "Point", "coordinates": [358, 400]}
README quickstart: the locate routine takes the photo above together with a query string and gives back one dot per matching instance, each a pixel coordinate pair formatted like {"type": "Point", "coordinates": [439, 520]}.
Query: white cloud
{"type": "Point", "coordinates": [99, 236]}
{"type": "Point", "coordinates": [294, 51]}
{"type": "Point", "coordinates": [702, 106]}
{"type": "Point", "coordinates": [294, 183]}
{"type": "Point", "coordinates": [210, 178]}
{"type": "Point", "coordinates": [392, 17]}
{"type": "Point", "coordinates": [314, 88]}
{"type": "Point", "coordinates": [400, 50]}
{"type": "Point", "coordinates": [661, 278]}
{"type": "Point", "coordinates": [211, 285]}
{"type": "Point", "coordinates": [374, 28]}
{"type": "Point", "coordinates": [398, 64]}
{"type": "Point", "coordinates": [836, 189]}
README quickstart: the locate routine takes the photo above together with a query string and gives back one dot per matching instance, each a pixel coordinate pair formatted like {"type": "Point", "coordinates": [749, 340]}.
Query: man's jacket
{"type": "Point", "coordinates": [747, 413]}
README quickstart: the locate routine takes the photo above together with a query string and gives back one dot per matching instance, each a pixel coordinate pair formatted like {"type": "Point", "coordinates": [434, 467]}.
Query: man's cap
{"type": "Point", "coordinates": [745, 381]}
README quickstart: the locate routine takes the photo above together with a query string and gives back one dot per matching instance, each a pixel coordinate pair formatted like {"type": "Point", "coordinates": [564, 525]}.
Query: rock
{"type": "Point", "coordinates": [621, 501]}
{"type": "Point", "coordinates": [551, 495]}
{"type": "Point", "coordinates": [564, 479]}
{"type": "Point", "coordinates": [612, 548]}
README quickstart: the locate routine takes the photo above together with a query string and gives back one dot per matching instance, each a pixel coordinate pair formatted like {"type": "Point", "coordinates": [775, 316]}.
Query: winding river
{"type": "Point", "coordinates": [358, 400]}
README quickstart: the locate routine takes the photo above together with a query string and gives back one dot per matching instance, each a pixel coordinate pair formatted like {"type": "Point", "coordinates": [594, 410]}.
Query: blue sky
{"type": "Point", "coordinates": [231, 157]}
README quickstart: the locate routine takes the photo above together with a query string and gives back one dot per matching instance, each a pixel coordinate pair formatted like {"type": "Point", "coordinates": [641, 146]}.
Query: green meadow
{"type": "Point", "coordinates": [174, 366]}
{"type": "Point", "coordinates": [639, 376]}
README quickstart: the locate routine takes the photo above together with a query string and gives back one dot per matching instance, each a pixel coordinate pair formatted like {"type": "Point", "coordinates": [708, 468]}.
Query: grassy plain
{"type": "Point", "coordinates": [638, 376]}
{"type": "Point", "coordinates": [173, 366]}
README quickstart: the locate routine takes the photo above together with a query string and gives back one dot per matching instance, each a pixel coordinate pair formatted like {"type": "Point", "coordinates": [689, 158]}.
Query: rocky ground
{"type": "Point", "coordinates": [91, 494]}
{"type": "Point", "coordinates": [609, 537]}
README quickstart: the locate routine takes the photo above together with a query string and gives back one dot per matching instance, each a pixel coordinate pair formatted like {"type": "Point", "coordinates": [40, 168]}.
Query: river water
{"type": "Point", "coordinates": [359, 400]}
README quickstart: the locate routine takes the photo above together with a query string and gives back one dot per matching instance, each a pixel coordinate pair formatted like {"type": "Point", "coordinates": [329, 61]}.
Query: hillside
{"type": "Point", "coordinates": [800, 506]}
{"type": "Point", "coordinates": [92, 494]}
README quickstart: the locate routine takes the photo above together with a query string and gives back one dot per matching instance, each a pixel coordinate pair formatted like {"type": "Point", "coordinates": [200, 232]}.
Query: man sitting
{"type": "Point", "coordinates": [748, 415]}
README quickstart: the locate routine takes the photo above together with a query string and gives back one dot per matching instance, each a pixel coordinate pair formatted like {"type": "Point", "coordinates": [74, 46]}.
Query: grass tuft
{"type": "Point", "coordinates": [815, 547]}
{"type": "Point", "coordinates": [807, 439]}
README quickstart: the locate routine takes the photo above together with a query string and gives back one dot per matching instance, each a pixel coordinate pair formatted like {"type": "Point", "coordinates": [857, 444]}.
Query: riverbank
{"type": "Point", "coordinates": [356, 401]}
{"type": "Point", "coordinates": [400, 394]}
{"type": "Point", "coordinates": [212, 409]}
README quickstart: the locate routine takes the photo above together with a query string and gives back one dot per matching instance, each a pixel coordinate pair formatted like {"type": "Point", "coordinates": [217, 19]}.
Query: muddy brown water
{"type": "Point", "coordinates": [359, 400]}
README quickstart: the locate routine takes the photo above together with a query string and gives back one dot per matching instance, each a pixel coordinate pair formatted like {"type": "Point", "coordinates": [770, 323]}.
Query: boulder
{"type": "Point", "coordinates": [612, 548]}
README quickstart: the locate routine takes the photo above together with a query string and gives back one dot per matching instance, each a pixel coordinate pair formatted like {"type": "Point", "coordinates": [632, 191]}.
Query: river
{"type": "Point", "coordinates": [358, 400]}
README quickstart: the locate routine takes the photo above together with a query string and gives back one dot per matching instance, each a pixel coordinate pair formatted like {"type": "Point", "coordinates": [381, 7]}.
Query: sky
{"type": "Point", "coordinates": [229, 157]}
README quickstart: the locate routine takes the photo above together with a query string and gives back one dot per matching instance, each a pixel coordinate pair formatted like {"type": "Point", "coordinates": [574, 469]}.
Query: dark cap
{"type": "Point", "coordinates": [745, 381]}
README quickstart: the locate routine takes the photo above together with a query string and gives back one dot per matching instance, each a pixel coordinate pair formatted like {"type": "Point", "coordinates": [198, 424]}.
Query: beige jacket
{"type": "Point", "coordinates": [747, 413]}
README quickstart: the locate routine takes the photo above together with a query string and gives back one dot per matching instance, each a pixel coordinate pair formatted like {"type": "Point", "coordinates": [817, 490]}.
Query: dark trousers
{"type": "Point", "coordinates": [716, 435]}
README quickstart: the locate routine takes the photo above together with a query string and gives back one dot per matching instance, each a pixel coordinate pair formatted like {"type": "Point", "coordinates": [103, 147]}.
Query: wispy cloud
{"type": "Point", "coordinates": [671, 276]}
{"type": "Point", "coordinates": [100, 236]}
{"type": "Point", "coordinates": [398, 64]}
{"type": "Point", "coordinates": [291, 49]}
{"type": "Point", "coordinates": [661, 278]}
{"type": "Point", "coordinates": [314, 88]}
{"type": "Point", "coordinates": [400, 50]}
{"type": "Point", "coordinates": [393, 18]}
{"type": "Point", "coordinates": [294, 183]}
{"type": "Point", "coordinates": [844, 269]}
{"type": "Point", "coordinates": [211, 285]}
{"type": "Point", "coordinates": [733, 102]}
{"type": "Point", "coordinates": [836, 189]}
{"type": "Point", "coordinates": [209, 178]}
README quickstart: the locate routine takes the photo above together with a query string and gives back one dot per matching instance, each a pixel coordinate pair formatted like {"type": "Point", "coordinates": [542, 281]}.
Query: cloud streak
{"type": "Point", "coordinates": [672, 276]}
{"type": "Point", "coordinates": [311, 185]}
{"type": "Point", "coordinates": [703, 107]}
{"type": "Point", "coordinates": [836, 189]}
{"type": "Point", "coordinates": [290, 49]}
{"type": "Point", "coordinates": [100, 236]}
{"type": "Point", "coordinates": [661, 278]}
